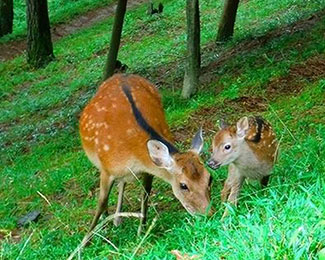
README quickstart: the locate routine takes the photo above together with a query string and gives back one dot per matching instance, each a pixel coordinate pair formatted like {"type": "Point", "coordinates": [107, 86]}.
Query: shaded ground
{"type": "Point", "coordinates": [250, 44]}
{"type": "Point", "coordinates": [208, 71]}
{"type": "Point", "coordinates": [11, 49]}
{"type": "Point", "coordinates": [292, 83]}
{"type": "Point", "coordinates": [310, 71]}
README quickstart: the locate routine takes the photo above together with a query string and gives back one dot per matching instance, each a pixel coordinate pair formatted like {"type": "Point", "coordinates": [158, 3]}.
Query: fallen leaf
{"type": "Point", "coordinates": [181, 256]}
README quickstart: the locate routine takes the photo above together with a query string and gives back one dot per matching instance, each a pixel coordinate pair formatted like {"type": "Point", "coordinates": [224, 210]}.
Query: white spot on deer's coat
{"type": "Point", "coordinates": [96, 140]}
{"type": "Point", "coordinates": [129, 131]}
{"type": "Point", "coordinates": [106, 147]}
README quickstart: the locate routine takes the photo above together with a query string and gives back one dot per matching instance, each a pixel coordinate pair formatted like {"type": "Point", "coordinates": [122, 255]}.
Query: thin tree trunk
{"type": "Point", "coordinates": [150, 7]}
{"type": "Point", "coordinates": [227, 22]}
{"type": "Point", "coordinates": [115, 39]}
{"type": "Point", "coordinates": [6, 16]}
{"type": "Point", "coordinates": [193, 61]}
{"type": "Point", "coordinates": [39, 44]}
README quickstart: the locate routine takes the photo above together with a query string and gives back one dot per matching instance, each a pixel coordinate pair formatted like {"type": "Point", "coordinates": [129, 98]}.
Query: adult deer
{"type": "Point", "coordinates": [124, 134]}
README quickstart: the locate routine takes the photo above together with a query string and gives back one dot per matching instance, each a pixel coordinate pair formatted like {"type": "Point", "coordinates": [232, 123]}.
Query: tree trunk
{"type": "Point", "coordinates": [227, 22]}
{"type": "Point", "coordinates": [39, 44]}
{"type": "Point", "coordinates": [6, 16]}
{"type": "Point", "coordinates": [115, 39]}
{"type": "Point", "coordinates": [193, 59]}
{"type": "Point", "coordinates": [150, 7]}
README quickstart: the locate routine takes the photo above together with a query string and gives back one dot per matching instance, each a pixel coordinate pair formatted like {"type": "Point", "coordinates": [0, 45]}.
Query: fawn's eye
{"type": "Point", "coordinates": [183, 186]}
{"type": "Point", "coordinates": [227, 146]}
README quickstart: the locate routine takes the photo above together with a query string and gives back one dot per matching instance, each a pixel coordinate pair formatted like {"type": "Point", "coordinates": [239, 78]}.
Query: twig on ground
{"type": "Point", "coordinates": [43, 197]}
{"type": "Point", "coordinates": [88, 237]}
{"type": "Point", "coordinates": [145, 236]}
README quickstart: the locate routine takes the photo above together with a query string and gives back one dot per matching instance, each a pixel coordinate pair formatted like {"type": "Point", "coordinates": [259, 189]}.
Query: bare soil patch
{"type": "Point", "coordinates": [292, 83]}
{"type": "Point", "coordinates": [11, 49]}
{"type": "Point", "coordinates": [12, 235]}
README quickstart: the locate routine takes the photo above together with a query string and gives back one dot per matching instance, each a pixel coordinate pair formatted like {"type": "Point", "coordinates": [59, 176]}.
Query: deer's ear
{"type": "Point", "coordinates": [159, 154]}
{"type": "Point", "coordinates": [197, 142]}
{"type": "Point", "coordinates": [242, 127]}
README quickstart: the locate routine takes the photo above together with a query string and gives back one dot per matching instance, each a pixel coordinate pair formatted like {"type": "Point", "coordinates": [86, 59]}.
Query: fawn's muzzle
{"type": "Point", "coordinates": [213, 164]}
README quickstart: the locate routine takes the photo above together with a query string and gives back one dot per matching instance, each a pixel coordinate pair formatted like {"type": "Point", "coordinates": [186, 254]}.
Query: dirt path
{"type": "Point", "coordinates": [11, 49]}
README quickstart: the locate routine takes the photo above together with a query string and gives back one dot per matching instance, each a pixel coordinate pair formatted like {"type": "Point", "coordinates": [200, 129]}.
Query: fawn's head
{"type": "Point", "coordinates": [227, 143]}
{"type": "Point", "coordinates": [189, 179]}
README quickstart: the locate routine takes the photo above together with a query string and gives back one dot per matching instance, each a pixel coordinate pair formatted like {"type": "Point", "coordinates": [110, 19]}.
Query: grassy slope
{"type": "Point", "coordinates": [42, 151]}
{"type": "Point", "coordinates": [59, 11]}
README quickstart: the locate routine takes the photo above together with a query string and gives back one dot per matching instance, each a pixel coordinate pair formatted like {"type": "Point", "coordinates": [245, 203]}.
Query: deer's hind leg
{"type": "Point", "coordinates": [106, 183]}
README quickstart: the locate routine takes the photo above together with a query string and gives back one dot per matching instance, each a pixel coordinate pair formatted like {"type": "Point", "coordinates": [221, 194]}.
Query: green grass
{"type": "Point", "coordinates": [41, 152]}
{"type": "Point", "coordinates": [60, 11]}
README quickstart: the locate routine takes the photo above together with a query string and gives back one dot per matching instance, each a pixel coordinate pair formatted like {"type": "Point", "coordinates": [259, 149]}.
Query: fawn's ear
{"type": "Point", "coordinates": [159, 154]}
{"type": "Point", "coordinates": [223, 124]}
{"type": "Point", "coordinates": [197, 142]}
{"type": "Point", "coordinates": [242, 127]}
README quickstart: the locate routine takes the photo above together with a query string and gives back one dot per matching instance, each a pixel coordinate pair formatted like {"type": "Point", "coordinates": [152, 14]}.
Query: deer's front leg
{"type": "Point", "coordinates": [147, 184]}
{"type": "Point", "coordinates": [121, 187]}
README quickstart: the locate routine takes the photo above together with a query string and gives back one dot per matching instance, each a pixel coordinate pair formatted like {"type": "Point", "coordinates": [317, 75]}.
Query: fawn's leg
{"type": "Point", "coordinates": [225, 191]}
{"type": "Point", "coordinates": [234, 182]}
{"type": "Point", "coordinates": [121, 186]}
{"type": "Point", "coordinates": [147, 184]}
{"type": "Point", "coordinates": [265, 181]}
{"type": "Point", "coordinates": [235, 189]}
{"type": "Point", "coordinates": [228, 183]}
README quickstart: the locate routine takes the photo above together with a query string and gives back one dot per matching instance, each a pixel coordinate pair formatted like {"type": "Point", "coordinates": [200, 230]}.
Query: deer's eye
{"type": "Point", "coordinates": [183, 186]}
{"type": "Point", "coordinates": [227, 146]}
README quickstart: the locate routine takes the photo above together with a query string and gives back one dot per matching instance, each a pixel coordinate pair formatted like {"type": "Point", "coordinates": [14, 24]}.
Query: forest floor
{"type": "Point", "coordinates": [11, 49]}
{"type": "Point", "coordinates": [273, 67]}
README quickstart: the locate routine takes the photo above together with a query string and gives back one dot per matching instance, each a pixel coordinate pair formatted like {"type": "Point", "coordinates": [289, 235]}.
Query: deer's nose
{"type": "Point", "coordinates": [213, 164]}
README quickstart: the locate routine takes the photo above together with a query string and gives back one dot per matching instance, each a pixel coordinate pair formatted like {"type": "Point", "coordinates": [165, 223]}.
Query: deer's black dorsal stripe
{"type": "Point", "coordinates": [143, 123]}
{"type": "Point", "coordinates": [260, 122]}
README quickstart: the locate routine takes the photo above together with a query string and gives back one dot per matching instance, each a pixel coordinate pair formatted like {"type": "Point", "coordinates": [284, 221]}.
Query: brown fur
{"type": "Point", "coordinates": [109, 118]}
{"type": "Point", "coordinates": [117, 145]}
